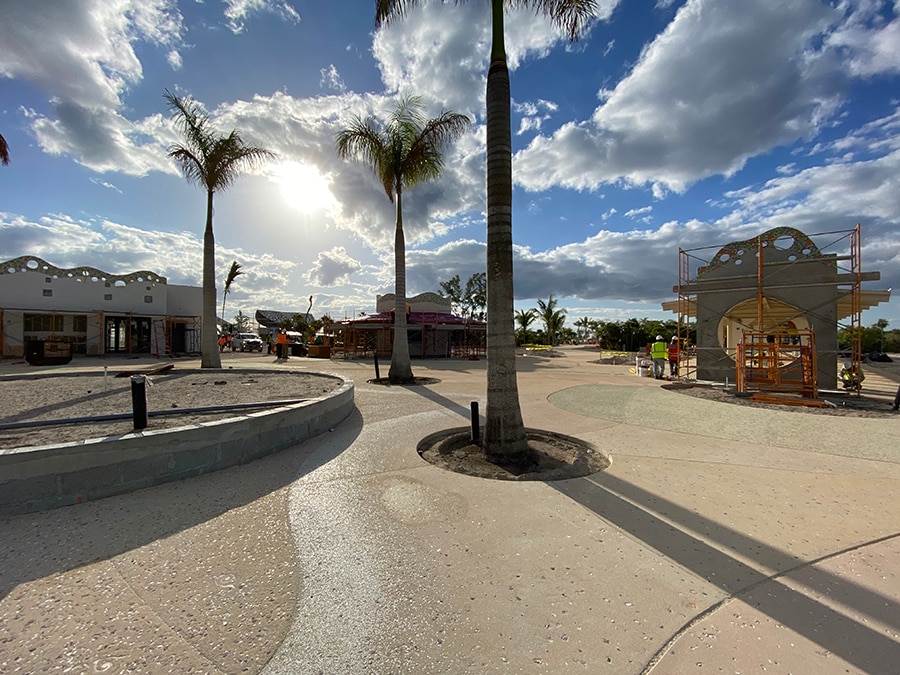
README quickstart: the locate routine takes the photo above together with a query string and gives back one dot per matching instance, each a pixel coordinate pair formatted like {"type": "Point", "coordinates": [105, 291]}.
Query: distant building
{"type": "Point", "coordinates": [432, 329]}
{"type": "Point", "coordinates": [271, 320]}
{"type": "Point", "coordinates": [95, 311]}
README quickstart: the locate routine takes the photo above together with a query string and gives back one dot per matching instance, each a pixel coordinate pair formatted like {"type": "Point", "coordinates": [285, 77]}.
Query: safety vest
{"type": "Point", "coordinates": [673, 351]}
{"type": "Point", "coordinates": [659, 350]}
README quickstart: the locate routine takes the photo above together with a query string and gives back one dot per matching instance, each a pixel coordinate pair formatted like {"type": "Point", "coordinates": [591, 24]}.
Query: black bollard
{"type": "Point", "coordinates": [476, 430]}
{"type": "Point", "coordinates": [139, 401]}
{"type": "Point", "coordinates": [896, 406]}
{"type": "Point", "coordinates": [377, 374]}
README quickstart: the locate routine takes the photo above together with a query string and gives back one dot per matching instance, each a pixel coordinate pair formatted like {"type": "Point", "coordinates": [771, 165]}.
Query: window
{"type": "Point", "coordinates": [48, 292]}
{"type": "Point", "coordinates": [148, 298]}
{"type": "Point", "coordinates": [47, 323]}
{"type": "Point", "coordinates": [107, 296]}
{"type": "Point", "coordinates": [48, 279]}
{"type": "Point", "coordinates": [79, 323]}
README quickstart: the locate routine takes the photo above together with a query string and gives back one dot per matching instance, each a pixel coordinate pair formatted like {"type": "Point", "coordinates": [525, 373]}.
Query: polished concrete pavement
{"type": "Point", "coordinates": [722, 538]}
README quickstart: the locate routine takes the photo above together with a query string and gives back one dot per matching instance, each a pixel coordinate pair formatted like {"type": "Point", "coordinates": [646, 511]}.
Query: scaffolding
{"type": "Point", "coordinates": [772, 353]}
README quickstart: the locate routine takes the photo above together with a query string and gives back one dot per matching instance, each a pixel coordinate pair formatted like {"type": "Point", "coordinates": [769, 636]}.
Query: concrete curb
{"type": "Point", "coordinates": [37, 478]}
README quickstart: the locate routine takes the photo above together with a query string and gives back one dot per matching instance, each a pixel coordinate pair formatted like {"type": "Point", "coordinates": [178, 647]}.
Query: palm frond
{"type": "Point", "coordinates": [4, 151]}
{"type": "Point", "coordinates": [387, 10]}
{"type": "Point", "coordinates": [363, 140]}
{"type": "Point", "coordinates": [205, 157]}
{"type": "Point", "coordinates": [573, 16]}
{"type": "Point", "coordinates": [233, 273]}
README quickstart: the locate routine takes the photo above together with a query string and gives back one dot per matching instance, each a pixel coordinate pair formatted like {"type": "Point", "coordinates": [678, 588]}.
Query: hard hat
{"type": "Point", "coordinates": [659, 337]}
{"type": "Point", "coordinates": [674, 338]}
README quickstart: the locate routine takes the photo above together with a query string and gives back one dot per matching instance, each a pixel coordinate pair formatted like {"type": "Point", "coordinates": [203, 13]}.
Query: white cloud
{"type": "Point", "coordinates": [238, 11]}
{"type": "Point", "coordinates": [441, 50]}
{"type": "Point", "coordinates": [331, 79]}
{"type": "Point", "coordinates": [90, 59]}
{"type": "Point", "coordinates": [332, 267]}
{"type": "Point", "coordinates": [635, 213]}
{"type": "Point", "coordinates": [722, 83]}
{"type": "Point", "coordinates": [85, 69]}
{"type": "Point", "coordinates": [870, 43]}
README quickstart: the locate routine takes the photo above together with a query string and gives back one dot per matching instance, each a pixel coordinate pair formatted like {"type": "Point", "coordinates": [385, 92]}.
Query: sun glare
{"type": "Point", "coordinates": [303, 187]}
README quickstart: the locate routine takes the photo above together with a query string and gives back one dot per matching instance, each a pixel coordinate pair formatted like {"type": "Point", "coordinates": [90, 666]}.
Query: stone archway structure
{"type": "Point", "coordinates": [779, 282]}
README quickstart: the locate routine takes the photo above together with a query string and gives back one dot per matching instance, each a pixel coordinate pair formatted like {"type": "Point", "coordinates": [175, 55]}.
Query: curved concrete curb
{"type": "Point", "coordinates": [49, 476]}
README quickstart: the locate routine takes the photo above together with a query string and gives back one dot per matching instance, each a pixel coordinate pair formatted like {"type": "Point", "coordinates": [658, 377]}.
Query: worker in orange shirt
{"type": "Point", "coordinates": [283, 343]}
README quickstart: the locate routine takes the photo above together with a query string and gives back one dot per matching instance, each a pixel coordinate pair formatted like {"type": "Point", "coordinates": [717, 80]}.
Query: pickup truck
{"type": "Point", "coordinates": [246, 342]}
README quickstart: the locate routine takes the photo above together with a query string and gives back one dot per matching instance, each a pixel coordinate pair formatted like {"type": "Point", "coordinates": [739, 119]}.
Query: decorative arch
{"type": "Point", "coordinates": [792, 241]}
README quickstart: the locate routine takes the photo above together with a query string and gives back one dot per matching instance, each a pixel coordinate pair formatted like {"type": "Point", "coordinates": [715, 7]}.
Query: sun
{"type": "Point", "coordinates": [303, 187]}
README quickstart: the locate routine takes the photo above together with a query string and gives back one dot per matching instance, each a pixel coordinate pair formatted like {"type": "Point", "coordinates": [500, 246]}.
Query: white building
{"type": "Point", "coordinates": [97, 312]}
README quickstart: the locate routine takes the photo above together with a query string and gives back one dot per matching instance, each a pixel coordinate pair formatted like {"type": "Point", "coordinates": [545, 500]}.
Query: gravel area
{"type": "Point", "coordinates": [65, 397]}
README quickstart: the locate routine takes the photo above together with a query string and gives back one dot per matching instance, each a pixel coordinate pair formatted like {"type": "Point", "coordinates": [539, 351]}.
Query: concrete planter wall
{"type": "Point", "coordinates": [36, 478]}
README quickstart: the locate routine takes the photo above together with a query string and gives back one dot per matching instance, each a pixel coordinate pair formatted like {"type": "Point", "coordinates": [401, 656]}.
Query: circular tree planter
{"type": "Point", "coordinates": [550, 456]}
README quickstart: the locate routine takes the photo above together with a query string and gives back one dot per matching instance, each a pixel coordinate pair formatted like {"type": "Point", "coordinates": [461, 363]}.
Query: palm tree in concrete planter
{"type": "Point", "coordinates": [405, 151]}
{"type": "Point", "coordinates": [504, 437]}
{"type": "Point", "coordinates": [213, 162]}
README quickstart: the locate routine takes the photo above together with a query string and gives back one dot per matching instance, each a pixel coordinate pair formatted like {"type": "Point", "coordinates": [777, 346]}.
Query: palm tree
{"type": "Point", "coordinates": [233, 273]}
{"type": "Point", "coordinates": [213, 162]}
{"type": "Point", "coordinates": [553, 318]}
{"type": "Point", "coordinates": [583, 325]}
{"type": "Point", "coordinates": [4, 151]}
{"type": "Point", "coordinates": [504, 437]}
{"type": "Point", "coordinates": [524, 318]}
{"type": "Point", "coordinates": [404, 152]}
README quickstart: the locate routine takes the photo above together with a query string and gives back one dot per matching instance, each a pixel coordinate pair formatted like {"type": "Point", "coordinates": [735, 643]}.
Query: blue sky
{"type": "Point", "coordinates": [670, 124]}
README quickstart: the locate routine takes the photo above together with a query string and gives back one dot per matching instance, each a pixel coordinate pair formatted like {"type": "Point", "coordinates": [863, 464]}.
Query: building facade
{"type": "Point", "coordinates": [94, 311]}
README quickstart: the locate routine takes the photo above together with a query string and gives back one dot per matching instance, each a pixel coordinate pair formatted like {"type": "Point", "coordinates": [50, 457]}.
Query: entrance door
{"type": "Point", "coordinates": [127, 336]}
{"type": "Point", "coordinates": [116, 334]}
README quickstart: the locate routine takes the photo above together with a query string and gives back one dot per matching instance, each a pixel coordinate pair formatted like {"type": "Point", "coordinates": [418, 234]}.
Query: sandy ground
{"type": "Point", "coordinates": [78, 395]}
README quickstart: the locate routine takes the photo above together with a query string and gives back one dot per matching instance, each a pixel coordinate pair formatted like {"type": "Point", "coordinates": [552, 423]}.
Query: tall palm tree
{"type": "Point", "coordinates": [213, 162]}
{"type": "Point", "coordinates": [4, 151]}
{"type": "Point", "coordinates": [553, 318]}
{"type": "Point", "coordinates": [233, 273]}
{"type": "Point", "coordinates": [402, 153]}
{"type": "Point", "coordinates": [504, 432]}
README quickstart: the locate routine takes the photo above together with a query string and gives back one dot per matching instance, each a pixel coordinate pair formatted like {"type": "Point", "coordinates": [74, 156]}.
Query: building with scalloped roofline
{"type": "Point", "coordinates": [96, 312]}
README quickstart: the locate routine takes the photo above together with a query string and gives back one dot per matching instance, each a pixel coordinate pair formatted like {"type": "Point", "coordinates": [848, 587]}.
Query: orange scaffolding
{"type": "Point", "coordinates": [763, 359]}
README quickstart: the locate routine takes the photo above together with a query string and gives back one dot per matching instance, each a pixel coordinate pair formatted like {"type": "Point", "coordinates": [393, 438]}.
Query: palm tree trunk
{"type": "Point", "coordinates": [209, 347]}
{"type": "Point", "coordinates": [504, 431]}
{"type": "Point", "coordinates": [401, 367]}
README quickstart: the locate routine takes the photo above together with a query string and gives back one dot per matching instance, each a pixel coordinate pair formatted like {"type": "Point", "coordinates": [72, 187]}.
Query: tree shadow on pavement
{"type": "Point", "coordinates": [633, 509]}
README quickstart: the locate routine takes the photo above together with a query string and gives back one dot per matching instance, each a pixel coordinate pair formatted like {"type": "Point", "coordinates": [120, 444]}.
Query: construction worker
{"type": "Point", "coordinates": [659, 354]}
{"type": "Point", "coordinates": [852, 376]}
{"type": "Point", "coordinates": [283, 345]}
{"type": "Point", "coordinates": [673, 357]}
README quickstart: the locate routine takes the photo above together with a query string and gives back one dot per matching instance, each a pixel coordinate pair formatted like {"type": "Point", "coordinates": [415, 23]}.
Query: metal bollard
{"type": "Point", "coordinates": [377, 374]}
{"type": "Point", "coordinates": [139, 401]}
{"type": "Point", "coordinates": [476, 430]}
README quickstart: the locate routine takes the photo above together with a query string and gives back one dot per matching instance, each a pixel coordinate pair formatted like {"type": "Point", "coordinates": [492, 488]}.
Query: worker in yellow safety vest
{"type": "Point", "coordinates": [659, 354]}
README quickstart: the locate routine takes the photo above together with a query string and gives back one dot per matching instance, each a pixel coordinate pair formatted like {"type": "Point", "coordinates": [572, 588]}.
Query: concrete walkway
{"type": "Point", "coordinates": [723, 538]}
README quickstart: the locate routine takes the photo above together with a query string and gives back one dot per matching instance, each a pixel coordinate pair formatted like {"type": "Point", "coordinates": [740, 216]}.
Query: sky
{"type": "Point", "coordinates": [670, 124]}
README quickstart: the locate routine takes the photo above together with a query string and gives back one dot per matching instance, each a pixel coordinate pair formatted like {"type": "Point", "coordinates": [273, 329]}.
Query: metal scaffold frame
{"type": "Point", "coordinates": [764, 352]}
